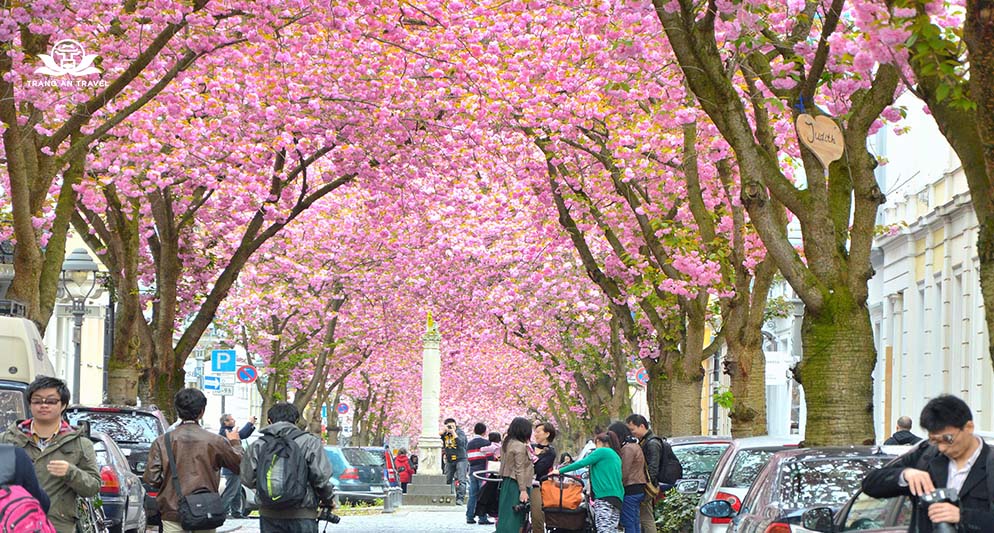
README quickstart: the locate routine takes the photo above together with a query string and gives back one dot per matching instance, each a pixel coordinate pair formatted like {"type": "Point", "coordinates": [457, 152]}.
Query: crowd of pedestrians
{"type": "Point", "coordinates": [54, 467]}
{"type": "Point", "coordinates": [625, 466]}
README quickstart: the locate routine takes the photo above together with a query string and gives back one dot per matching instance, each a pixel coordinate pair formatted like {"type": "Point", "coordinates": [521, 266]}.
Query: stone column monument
{"type": "Point", "coordinates": [430, 445]}
{"type": "Point", "coordinates": [428, 486]}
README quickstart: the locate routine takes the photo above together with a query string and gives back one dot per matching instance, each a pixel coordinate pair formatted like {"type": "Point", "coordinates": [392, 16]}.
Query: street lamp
{"type": "Point", "coordinates": [79, 278]}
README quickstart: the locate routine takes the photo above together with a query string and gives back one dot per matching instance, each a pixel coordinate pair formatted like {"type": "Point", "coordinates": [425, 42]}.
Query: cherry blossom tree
{"type": "Point", "coordinates": [127, 53]}
{"type": "Point", "coordinates": [752, 67]}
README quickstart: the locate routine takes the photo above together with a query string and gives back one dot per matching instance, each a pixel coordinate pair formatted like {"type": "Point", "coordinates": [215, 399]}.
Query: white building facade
{"type": "Point", "coordinates": [925, 301]}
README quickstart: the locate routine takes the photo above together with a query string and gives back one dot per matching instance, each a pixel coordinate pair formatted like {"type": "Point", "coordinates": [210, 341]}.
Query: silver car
{"type": "Point", "coordinates": [733, 475]}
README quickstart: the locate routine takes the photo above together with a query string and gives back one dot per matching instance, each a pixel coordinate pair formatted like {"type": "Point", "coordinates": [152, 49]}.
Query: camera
{"type": "Point", "coordinates": [942, 495]}
{"type": "Point", "coordinates": [327, 515]}
{"type": "Point", "coordinates": [521, 507]}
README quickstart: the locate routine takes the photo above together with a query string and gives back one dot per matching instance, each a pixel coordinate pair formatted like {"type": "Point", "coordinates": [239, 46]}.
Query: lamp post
{"type": "Point", "coordinates": [79, 278]}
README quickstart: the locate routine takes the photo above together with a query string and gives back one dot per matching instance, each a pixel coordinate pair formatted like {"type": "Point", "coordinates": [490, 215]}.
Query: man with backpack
{"type": "Point", "coordinates": [188, 497]}
{"type": "Point", "coordinates": [662, 467]}
{"type": "Point", "coordinates": [953, 458]}
{"type": "Point", "coordinates": [290, 473]}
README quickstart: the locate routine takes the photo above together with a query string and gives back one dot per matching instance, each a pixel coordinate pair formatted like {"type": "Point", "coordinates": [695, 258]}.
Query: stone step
{"type": "Point", "coordinates": [430, 489]}
{"type": "Point", "coordinates": [447, 500]}
{"type": "Point", "coordinates": [425, 479]}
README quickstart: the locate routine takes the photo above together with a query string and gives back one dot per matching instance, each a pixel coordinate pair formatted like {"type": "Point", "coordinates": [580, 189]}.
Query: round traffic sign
{"type": "Point", "coordinates": [642, 376]}
{"type": "Point", "coordinates": [247, 374]}
{"type": "Point", "coordinates": [342, 408]}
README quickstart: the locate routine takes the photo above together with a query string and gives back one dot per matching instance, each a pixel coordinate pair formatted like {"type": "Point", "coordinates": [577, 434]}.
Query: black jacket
{"type": "Point", "coordinates": [16, 468]}
{"type": "Point", "coordinates": [976, 514]}
{"type": "Point", "coordinates": [652, 449]}
{"type": "Point", "coordinates": [902, 437]}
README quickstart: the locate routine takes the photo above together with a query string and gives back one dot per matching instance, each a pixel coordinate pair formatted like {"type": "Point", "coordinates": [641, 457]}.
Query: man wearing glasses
{"type": "Point", "coordinates": [63, 457]}
{"type": "Point", "coordinates": [952, 458]}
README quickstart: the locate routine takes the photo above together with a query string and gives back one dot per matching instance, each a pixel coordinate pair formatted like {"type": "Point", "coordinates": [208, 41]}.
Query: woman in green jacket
{"type": "Point", "coordinates": [63, 457]}
{"type": "Point", "coordinates": [605, 480]}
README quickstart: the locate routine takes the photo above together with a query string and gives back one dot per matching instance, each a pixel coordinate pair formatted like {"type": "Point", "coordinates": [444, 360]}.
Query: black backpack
{"type": "Point", "coordinates": [281, 480]}
{"type": "Point", "coordinates": [670, 469]}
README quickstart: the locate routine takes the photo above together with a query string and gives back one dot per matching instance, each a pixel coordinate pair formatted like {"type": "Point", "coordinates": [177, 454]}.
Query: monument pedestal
{"type": "Point", "coordinates": [428, 489]}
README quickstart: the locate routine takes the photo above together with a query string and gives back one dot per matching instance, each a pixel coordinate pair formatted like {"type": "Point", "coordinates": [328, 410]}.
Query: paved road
{"type": "Point", "coordinates": [410, 519]}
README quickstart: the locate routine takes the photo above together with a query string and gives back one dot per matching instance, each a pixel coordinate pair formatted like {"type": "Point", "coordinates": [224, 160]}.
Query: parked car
{"type": "Point", "coordinates": [386, 460]}
{"type": "Point", "coordinates": [133, 429]}
{"type": "Point", "coordinates": [737, 468]}
{"type": "Point", "coordinates": [121, 489]}
{"type": "Point", "coordinates": [356, 473]}
{"type": "Point", "coordinates": [795, 480]}
{"type": "Point", "coordinates": [22, 359]}
{"type": "Point", "coordinates": [699, 454]}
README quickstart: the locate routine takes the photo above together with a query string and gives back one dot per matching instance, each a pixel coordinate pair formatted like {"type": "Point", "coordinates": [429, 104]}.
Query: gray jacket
{"type": "Point", "coordinates": [320, 488]}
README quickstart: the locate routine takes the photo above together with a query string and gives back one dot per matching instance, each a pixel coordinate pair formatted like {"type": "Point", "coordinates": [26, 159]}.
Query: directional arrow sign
{"type": "Point", "coordinates": [212, 383]}
{"type": "Point", "coordinates": [247, 374]}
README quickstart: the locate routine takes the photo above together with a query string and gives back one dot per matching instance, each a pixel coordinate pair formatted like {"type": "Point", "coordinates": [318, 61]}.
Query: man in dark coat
{"type": "Point", "coordinates": [953, 457]}
{"type": "Point", "coordinates": [232, 496]}
{"type": "Point", "coordinates": [903, 435]}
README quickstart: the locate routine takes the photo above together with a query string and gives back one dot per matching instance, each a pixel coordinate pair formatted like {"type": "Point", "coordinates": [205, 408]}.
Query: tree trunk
{"type": "Point", "coordinates": [838, 337]}
{"type": "Point", "coordinates": [163, 385]}
{"type": "Point", "coordinates": [985, 251]}
{"type": "Point", "coordinates": [674, 399]}
{"type": "Point", "coordinates": [746, 365]}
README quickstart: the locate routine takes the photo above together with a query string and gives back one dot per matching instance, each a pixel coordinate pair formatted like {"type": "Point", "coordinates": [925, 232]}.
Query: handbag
{"type": "Point", "coordinates": [201, 509]}
{"type": "Point", "coordinates": [651, 491]}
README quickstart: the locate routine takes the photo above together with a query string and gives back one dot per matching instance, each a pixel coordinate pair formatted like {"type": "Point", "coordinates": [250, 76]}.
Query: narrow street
{"type": "Point", "coordinates": [411, 519]}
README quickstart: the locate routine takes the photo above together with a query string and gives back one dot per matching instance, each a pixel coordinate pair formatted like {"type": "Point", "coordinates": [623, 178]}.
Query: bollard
{"type": "Point", "coordinates": [392, 499]}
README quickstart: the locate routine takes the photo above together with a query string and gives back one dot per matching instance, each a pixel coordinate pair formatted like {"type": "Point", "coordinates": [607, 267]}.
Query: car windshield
{"type": "Point", "coordinates": [378, 458]}
{"type": "Point", "coordinates": [827, 481]}
{"type": "Point", "coordinates": [124, 428]}
{"type": "Point", "coordinates": [11, 407]}
{"type": "Point", "coordinates": [698, 460]}
{"type": "Point", "coordinates": [748, 464]}
{"type": "Point", "coordinates": [358, 456]}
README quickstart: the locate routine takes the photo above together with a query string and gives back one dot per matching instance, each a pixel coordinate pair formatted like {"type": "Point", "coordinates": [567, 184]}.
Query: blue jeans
{"type": "Point", "coordinates": [474, 495]}
{"type": "Point", "coordinates": [630, 512]}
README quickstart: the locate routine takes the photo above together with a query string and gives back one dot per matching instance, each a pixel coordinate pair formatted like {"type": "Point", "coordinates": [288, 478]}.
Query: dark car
{"type": "Point", "coordinates": [356, 473]}
{"type": "Point", "coordinates": [385, 458]}
{"type": "Point", "coordinates": [795, 480]}
{"type": "Point", "coordinates": [121, 491]}
{"type": "Point", "coordinates": [134, 429]}
{"type": "Point", "coordinates": [698, 455]}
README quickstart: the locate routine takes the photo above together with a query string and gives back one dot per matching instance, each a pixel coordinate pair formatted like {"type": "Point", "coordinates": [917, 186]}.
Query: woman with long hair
{"type": "Point", "coordinates": [633, 477]}
{"type": "Point", "coordinates": [516, 473]}
{"type": "Point", "coordinates": [605, 480]}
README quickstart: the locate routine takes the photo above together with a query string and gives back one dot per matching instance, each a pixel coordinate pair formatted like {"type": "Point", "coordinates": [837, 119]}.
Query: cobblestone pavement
{"type": "Point", "coordinates": [409, 519]}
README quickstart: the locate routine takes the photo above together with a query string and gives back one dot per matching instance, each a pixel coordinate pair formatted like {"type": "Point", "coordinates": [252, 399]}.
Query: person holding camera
{"type": "Point", "coordinates": [456, 462]}
{"type": "Point", "coordinates": [517, 474]}
{"type": "Point", "coordinates": [946, 476]}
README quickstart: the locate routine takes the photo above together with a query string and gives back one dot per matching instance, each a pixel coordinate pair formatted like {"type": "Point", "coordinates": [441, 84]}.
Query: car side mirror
{"type": "Point", "coordinates": [689, 486]}
{"type": "Point", "coordinates": [818, 519]}
{"type": "Point", "coordinates": [717, 509]}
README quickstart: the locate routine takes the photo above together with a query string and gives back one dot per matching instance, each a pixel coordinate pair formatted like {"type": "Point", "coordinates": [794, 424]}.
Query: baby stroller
{"type": "Point", "coordinates": [489, 497]}
{"type": "Point", "coordinates": [565, 505]}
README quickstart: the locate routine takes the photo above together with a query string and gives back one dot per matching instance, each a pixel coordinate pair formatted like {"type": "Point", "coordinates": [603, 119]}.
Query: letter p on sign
{"type": "Point", "coordinates": [222, 361]}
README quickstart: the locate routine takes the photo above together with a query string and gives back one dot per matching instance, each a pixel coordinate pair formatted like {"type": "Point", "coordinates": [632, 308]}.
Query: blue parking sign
{"type": "Point", "coordinates": [223, 361]}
